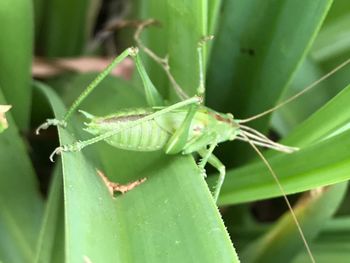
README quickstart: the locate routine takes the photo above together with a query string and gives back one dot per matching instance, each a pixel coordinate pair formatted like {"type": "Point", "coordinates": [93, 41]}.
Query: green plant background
{"type": "Point", "coordinates": [263, 52]}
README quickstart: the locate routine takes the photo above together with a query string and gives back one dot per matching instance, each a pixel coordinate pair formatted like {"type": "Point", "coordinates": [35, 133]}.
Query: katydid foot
{"type": "Point", "coordinates": [50, 122]}
{"type": "Point", "coordinates": [74, 147]}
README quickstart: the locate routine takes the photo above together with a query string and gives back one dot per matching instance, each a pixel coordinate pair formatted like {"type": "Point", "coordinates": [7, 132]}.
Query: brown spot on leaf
{"type": "Point", "coordinates": [116, 187]}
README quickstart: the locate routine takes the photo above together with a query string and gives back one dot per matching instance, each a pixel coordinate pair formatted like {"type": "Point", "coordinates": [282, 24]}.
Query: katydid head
{"type": "Point", "coordinates": [222, 124]}
{"type": "Point", "coordinates": [230, 129]}
{"type": "Point", "coordinates": [234, 126]}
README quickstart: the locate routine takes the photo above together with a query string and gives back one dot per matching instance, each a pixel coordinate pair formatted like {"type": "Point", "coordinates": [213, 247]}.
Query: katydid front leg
{"type": "Point", "coordinates": [55, 122]}
{"type": "Point", "coordinates": [216, 163]}
{"type": "Point", "coordinates": [205, 157]}
{"type": "Point", "coordinates": [152, 95]}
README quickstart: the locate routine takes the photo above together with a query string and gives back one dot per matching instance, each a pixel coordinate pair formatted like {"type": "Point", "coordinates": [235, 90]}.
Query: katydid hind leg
{"type": "Point", "coordinates": [206, 156]}
{"type": "Point", "coordinates": [153, 97]}
{"type": "Point", "coordinates": [163, 62]}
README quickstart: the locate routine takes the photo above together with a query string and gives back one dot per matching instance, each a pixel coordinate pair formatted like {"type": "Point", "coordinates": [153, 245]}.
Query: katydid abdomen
{"type": "Point", "coordinates": [147, 136]}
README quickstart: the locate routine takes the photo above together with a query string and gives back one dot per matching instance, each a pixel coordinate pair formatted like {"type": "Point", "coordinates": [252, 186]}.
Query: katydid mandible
{"type": "Point", "coordinates": [185, 127]}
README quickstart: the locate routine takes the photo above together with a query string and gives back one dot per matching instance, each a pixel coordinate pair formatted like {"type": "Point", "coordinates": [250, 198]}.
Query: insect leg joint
{"type": "Point", "coordinates": [133, 51]}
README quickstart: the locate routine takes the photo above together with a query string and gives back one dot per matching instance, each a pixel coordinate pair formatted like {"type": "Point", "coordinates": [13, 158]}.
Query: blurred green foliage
{"type": "Point", "coordinates": [263, 52]}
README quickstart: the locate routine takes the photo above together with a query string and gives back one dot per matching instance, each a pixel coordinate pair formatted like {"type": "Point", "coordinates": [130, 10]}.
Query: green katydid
{"type": "Point", "coordinates": [185, 127]}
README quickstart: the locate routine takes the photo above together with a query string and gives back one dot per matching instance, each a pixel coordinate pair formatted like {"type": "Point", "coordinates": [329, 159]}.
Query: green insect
{"type": "Point", "coordinates": [185, 127]}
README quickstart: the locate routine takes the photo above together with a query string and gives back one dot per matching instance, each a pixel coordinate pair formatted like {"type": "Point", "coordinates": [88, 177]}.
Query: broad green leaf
{"type": "Point", "coordinates": [21, 206]}
{"type": "Point", "coordinates": [305, 169]}
{"type": "Point", "coordinates": [334, 243]}
{"type": "Point", "coordinates": [330, 48]}
{"type": "Point", "coordinates": [283, 240]}
{"type": "Point", "coordinates": [16, 47]}
{"type": "Point", "coordinates": [170, 217]}
{"type": "Point", "coordinates": [297, 172]}
{"type": "Point", "coordinates": [331, 118]}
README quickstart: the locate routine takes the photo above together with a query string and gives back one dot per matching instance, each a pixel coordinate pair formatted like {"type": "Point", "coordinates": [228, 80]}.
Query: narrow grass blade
{"type": "Point", "coordinates": [213, 15]}
{"type": "Point", "coordinates": [330, 119]}
{"type": "Point", "coordinates": [333, 244]}
{"type": "Point", "coordinates": [334, 37]}
{"type": "Point", "coordinates": [283, 240]}
{"type": "Point", "coordinates": [301, 171]}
